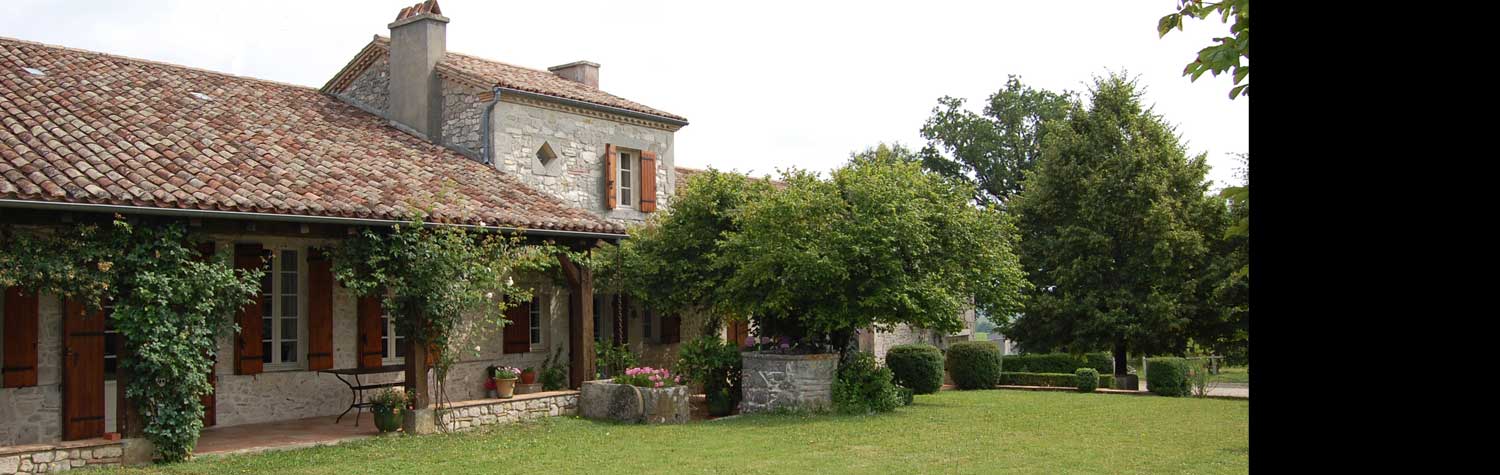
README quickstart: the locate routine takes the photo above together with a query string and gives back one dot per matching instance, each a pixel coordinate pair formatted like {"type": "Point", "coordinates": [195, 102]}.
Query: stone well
{"type": "Point", "coordinates": [603, 399]}
{"type": "Point", "coordinates": [795, 382]}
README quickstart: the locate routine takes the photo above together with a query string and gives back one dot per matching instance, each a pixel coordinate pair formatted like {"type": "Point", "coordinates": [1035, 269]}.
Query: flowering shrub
{"type": "Point", "coordinates": [648, 377]}
{"type": "Point", "coordinates": [507, 372]}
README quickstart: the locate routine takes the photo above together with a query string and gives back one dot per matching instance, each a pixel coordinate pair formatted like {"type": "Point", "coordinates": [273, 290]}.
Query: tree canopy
{"type": "Point", "coordinates": [881, 242]}
{"type": "Point", "coordinates": [994, 150]}
{"type": "Point", "coordinates": [1117, 231]}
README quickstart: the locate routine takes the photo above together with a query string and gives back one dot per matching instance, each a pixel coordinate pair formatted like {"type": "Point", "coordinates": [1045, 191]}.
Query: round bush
{"type": "Point", "coordinates": [1088, 379]}
{"type": "Point", "coordinates": [918, 366]}
{"type": "Point", "coordinates": [864, 387]}
{"type": "Point", "coordinates": [974, 364]}
{"type": "Point", "coordinates": [1167, 376]}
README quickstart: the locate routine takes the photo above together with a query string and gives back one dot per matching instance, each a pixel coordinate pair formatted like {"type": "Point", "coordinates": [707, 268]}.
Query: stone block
{"type": "Point", "coordinates": [10, 464]}
{"type": "Point", "coordinates": [621, 402]}
{"type": "Point", "coordinates": [792, 382]}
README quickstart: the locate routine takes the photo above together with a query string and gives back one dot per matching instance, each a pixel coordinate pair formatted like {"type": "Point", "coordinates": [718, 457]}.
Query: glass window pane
{"type": "Point", "coordinates": [288, 282]}
{"type": "Point", "coordinates": [289, 261]}
{"type": "Point", "coordinates": [265, 307]}
{"type": "Point", "coordinates": [265, 352]}
{"type": "Point", "coordinates": [266, 329]}
{"type": "Point", "coordinates": [289, 329]}
{"type": "Point", "coordinates": [400, 347]}
{"type": "Point", "coordinates": [265, 282]}
{"type": "Point", "coordinates": [289, 352]}
{"type": "Point", "coordinates": [289, 306]}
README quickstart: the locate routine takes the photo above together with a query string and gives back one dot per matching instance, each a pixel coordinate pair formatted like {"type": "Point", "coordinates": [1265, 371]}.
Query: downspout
{"type": "Point", "coordinates": [488, 128]}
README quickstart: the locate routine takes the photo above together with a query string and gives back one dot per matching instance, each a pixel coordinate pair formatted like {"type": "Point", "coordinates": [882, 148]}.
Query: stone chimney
{"type": "Point", "coordinates": [419, 38]}
{"type": "Point", "coordinates": [579, 71]}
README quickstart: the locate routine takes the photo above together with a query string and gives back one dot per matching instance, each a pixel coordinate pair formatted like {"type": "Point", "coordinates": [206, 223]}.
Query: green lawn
{"type": "Point", "coordinates": [1232, 374]}
{"type": "Point", "coordinates": [950, 432]}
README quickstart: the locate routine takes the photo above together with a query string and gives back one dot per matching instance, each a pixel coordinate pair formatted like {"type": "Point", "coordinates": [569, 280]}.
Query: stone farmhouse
{"type": "Point", "coordinates": [278, 171]}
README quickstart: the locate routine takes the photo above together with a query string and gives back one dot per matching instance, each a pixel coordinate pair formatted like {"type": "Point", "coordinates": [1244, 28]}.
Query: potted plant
{"type": "Point", "coordinates": [528, 376]}
{"type": "Point", "coordinates": [505, 381]}
{"type": "Point", "coordinates": [387, 406]}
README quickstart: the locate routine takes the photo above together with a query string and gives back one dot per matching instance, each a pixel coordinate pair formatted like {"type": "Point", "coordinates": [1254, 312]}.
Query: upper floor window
{"type": "Point", "coordinates": [628, 171]}
{"type": "Point", "coordinates": [281, 310]}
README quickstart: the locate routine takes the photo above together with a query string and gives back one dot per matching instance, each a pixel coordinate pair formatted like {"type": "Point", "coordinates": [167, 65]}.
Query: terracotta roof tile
{"type": "Point", "coordinates": [104, 129]}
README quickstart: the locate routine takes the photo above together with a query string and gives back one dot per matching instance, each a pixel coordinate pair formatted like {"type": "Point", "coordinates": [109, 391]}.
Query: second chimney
{"type": "Point", "coordinates": [419, 39]}
{"type": "Point", "coordinates": [579, 71]}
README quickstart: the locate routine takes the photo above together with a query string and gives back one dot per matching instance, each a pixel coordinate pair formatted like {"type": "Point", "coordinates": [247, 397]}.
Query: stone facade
{"type": "Point", "coordinates": [880, 341]}
{"type": "Point", "coordinates": [787, 382]}
{"type": "Point", "coordinates": [463, 118]}
{"type": "Point", "coordinates": [62, 457]}
{"type": "Point", "coordinates": [33, 414]}
{"type": "Point", "coordinates": [576, 176]}
{"type": "Point", "coordinates": [372, 88]}
{"type": "Point", "coordinates": [472, 414]}
{"type": "Point", "coordinates": [603, 400]}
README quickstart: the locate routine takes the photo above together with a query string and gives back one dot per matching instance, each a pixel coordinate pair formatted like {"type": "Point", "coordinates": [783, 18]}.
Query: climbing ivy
{"type": "Point", "coordinates": [170, 306]}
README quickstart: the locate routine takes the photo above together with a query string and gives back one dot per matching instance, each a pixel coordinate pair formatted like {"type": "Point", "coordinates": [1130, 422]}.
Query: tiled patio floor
{"type": "Point", "coordinates": [279, 435]}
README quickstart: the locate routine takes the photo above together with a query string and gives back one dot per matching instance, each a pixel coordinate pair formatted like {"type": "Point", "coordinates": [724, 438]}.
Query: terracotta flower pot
{"type": "Point", "coordinates": [506, 387]}
{"type": "Point", "coordinates": [528, 377]}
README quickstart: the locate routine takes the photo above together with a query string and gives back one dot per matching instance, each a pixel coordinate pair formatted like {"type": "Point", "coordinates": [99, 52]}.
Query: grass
{"type": "Point", "coordinates": [951, 432]}
{"type": "Point", "coordinates": [1232, 374]}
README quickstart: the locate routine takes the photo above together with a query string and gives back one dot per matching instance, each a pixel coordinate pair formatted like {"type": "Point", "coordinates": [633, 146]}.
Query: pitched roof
{"type": "Point", "coordinates": [484, 73]}
{"type": "Point", "coordinates": [85, 127]}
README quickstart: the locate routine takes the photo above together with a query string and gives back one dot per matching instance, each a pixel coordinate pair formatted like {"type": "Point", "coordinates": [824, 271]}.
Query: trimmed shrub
{"type": "Point", "coordinates": [1167, 376]}
{"type": "Point", "coordinates": [918, 367]}
{"type": "Point", "coordinates": [907, 396]}
{"type": "Point", "coordinates": [864, 387]}
{"type": "Point", "coordinates": [974, 364]}
{"type": "Point", "coordinates": [1057, 363]}
{"type": "Point", "coordinates": [1062, 380]}
{"type": "Point", "coordinates": [1087, 379]}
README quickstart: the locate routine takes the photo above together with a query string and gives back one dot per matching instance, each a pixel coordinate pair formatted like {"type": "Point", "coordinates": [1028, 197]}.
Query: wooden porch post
{"type": "Point", "coordinates": [416, 368]}
{"type": "Point", "coordinates": [580, 321]}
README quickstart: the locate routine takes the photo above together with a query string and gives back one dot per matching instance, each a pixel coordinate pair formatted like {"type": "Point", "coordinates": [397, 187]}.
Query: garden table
{"type": "Point", "coordinates": [357, 389]}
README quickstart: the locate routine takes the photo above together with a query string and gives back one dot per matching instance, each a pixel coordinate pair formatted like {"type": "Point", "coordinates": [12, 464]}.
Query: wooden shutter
{"type": "Point", "coordinates": [83, 372]}
{"type": "Point", "coordinates": [319, 310]}
{"type": "Point", "coordinates": [518, 331]}
{"type": "Point", "coordinates": [648, 181]}
{"type": "Point", "coordinates": [671, 329]}
{"type": "Point", "coordinates": [210, 401]}
{"type": "Point", "coordinates": [247, 349]}
{"type": "Point", "coordinates": [611, 175]}
{"type": "Point", "coordinates": [370, 353]}
{"type": "Point", "coordinates": [21, 317]}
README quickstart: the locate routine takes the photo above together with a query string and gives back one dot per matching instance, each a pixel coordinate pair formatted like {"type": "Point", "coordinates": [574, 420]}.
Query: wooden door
{"type": "Point", "coordinates": [738, 331]}
{"type": "Point", "coordinates": [83, 372]}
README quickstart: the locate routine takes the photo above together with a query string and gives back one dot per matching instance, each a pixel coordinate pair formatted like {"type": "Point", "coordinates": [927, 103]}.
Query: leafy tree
{"type": "Point", "coordinates": [880, 243]}
{"type": "Point", "coordinates": [1117, 231]}
{"type": "Point", "coordinates": [992, 151]}
{"type": "Point", "coordinates": [432, 278]}
{"type": "Point", "coordinates": [1229, 50]}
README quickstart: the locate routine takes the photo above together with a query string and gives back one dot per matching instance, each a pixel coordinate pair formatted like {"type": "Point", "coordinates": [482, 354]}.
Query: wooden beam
{"type": "Point", "coordinates": [580, 321]}
{"type": "Point", "coordinates": [416, 370]}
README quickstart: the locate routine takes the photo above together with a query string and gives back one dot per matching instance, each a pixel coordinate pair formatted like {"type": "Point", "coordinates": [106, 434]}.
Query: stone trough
{"type": "Point", "coordinates": [605, 400]}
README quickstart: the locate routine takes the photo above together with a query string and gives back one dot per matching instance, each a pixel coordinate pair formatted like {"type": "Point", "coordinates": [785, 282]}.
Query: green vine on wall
{"type": "Point", "coordinates": [170, 306]}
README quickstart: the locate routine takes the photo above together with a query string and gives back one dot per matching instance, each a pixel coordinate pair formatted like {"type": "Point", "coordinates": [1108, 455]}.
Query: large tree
{"type": "Point", "coordinates": [1117, 231]}
{"type": "Point", "coordinates": [994, 150]}
{"type": "Point", "coordinates": [1226, 330]}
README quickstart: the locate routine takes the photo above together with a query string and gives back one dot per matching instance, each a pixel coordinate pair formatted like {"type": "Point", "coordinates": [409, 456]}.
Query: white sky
{"type": "Point", "coordinates": [765, 84]}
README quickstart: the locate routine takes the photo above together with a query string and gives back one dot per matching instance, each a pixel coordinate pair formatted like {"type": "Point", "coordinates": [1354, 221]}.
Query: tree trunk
{"type": "Point", "coordinates": [1120, 369]}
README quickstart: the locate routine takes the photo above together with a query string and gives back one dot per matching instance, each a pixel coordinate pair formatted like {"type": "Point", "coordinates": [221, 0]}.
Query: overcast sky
{"type": "Point", "coordinates": [764, 84]}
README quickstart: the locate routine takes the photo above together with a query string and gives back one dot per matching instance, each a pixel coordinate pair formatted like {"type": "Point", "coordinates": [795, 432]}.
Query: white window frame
{"type": "Point", "coordinates": [278, 312]}
{"type": "Point", "coordinates": [627, 188]}
{"type": "Point", "coordinates": [388, 340]}
{"type": "Point", "coordinates": [537, 332]}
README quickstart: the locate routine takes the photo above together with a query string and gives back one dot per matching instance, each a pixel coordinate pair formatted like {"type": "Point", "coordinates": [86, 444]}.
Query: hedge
{"type": "Point", "coordinates": [1064, 380]}
{"type": "Point", "coordinates": [917, 366]}
{"type": "Point", "coordinates": [1057, 363]}
{"type": "Point", "coordinates": [974, 364]}
{"type": "Point", "coordinates": [1167, 376]}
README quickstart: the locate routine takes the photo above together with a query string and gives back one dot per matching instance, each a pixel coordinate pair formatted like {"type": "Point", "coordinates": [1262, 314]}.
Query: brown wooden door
{"type": "Point", "coordinates": [83, 372]}
{"type": "Point", "coordinates": [738, 331]}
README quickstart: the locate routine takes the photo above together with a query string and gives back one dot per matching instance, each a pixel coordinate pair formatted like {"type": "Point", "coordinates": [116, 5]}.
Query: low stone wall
{"type": "Point", "coordinates": [59, 457]}
{"type": "Point", "coordinates": [605, 400]}
{"type": "Point", "coordinates": [470, 414]}
{"type": "Point", "coordinates": [795, 382]}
